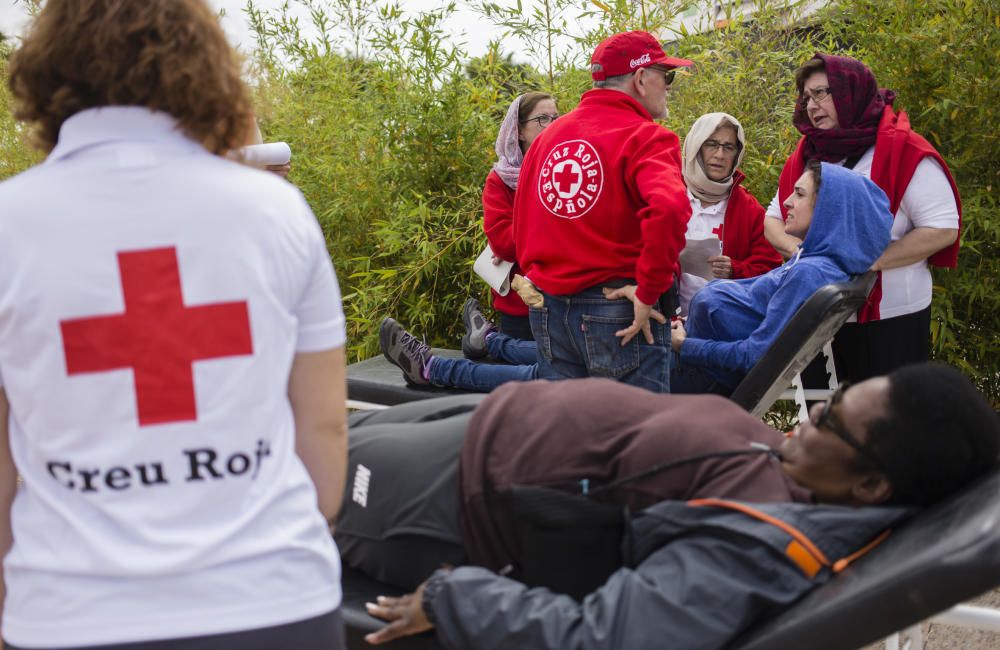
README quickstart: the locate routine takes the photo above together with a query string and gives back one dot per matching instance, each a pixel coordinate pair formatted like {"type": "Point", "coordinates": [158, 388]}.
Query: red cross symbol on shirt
{"type": "Point", "coordinates": [717, 231]}
{"type": "Point", "coordinates": [565, 178]}
{"type": "Point", "coordinates": [158, 337]}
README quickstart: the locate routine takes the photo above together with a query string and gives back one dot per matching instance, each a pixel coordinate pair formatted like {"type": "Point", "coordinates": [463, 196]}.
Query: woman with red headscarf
{"type": "Point", "coordinates": [845, 118]}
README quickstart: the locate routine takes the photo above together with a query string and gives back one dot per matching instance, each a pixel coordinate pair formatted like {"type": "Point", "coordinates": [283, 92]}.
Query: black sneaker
{"type": "Point", "coordinates": [477, 326]}
{"type": "Point", "coordinates": [404, 351]}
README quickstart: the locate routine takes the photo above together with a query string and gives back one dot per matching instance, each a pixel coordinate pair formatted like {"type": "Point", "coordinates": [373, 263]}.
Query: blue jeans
{"type": "Point", "coordinates": [517, 326]}
{"type": "Point", "coordinates": [484, 377]}
{"type": "Point", "coordinates": [576, 338]}
{"type": "Point", "coordinates": [513, 350]}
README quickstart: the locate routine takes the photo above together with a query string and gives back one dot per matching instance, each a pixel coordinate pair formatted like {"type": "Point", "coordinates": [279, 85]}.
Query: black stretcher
{"type": "Point", "coordinates": [377, 381]}
{"type": "Point", "coordinates": [802, 338]}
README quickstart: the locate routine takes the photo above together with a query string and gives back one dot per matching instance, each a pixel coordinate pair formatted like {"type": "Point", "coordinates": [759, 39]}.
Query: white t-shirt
{"type": "Point", "coordinates": [927, 203]}
{"type": "Point", "coordinates": [706, 222]}
{"type": "Point", "coordinates": [152, 299]}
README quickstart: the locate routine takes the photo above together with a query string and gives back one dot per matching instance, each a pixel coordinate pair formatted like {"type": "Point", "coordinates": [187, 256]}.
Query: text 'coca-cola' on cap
{"type": "Point", "coordinates": [626, 52]}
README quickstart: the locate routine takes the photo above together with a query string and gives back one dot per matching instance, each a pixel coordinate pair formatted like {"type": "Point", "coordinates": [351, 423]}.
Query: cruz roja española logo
{"type": "Point", "coordinates": [571, 179]}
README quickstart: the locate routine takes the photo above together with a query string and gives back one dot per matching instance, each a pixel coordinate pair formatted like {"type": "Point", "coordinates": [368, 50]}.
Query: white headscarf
{"type": "Point", "coordinates": [508, 147]}
{"type": "Point", "coordinates": [694, 167]}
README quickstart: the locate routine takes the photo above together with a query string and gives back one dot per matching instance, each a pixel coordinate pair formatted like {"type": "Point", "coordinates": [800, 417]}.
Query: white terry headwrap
{"type": "Point", "coordinates": [694, 171]}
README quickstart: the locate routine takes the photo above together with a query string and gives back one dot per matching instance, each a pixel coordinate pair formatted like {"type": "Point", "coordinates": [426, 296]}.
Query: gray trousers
{"type": "Point", "coordinates": [399, 519]}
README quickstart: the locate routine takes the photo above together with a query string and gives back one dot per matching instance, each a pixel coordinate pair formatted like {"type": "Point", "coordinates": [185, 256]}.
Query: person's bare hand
{"type": "Point", "coordinates": [405, 615]}
{"type": "Point", "coordinates": [641, 311]}
{"type": "Point", "coordinates": [497, 261]}
{"type": "Point", "coordinates": [677, 334]}
{"type": "Point", "coordinates": [722, 266]}
{"type": "Point", "coordinates": [280, 170]}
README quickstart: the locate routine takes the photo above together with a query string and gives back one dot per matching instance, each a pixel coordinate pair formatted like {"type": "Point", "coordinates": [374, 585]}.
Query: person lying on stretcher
{"type": "Point", "coordinates": [437, 482]}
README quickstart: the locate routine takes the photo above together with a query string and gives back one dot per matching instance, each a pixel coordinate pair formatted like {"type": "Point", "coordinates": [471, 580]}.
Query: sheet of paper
{"type": "Point", "coordinates": [495, 275]}
{"type": "Point", "coordinates": [694, 257]}
{"type": "Point", "coordinates": [689, 285]}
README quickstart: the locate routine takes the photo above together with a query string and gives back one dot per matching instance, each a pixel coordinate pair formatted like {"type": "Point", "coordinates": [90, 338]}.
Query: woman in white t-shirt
{"type": "Point", "coordinates": [171, 353]}
{"type": "Point", "coordinates": [845, 118]}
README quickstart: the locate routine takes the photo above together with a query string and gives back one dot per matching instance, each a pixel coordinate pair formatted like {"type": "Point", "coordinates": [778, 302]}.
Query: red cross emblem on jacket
{"type": "Point", "coordinates": [158, 336]}
{"type": "Point", "coordinates": [571, 179]}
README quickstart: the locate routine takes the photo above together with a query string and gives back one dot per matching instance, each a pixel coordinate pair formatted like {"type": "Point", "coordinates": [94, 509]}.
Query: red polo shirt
{"type": "Point", "coordinates": [601, 197]}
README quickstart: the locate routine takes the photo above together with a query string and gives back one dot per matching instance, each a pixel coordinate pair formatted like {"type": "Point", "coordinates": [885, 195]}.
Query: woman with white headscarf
{"type": "Point", "coordinates": [720, 206]}
{"type": "Point", "coordinates": [527, 116]}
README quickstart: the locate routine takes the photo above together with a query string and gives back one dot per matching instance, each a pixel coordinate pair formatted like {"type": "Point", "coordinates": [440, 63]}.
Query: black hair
{"type": "Point", "coordinates": [939, 433]}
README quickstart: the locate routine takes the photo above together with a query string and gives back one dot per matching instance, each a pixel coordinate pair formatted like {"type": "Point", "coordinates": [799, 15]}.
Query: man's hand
{"type": "Point", "coordinates": [405, 615]}
{"type": "Point", "coordinates": [641, 310]}
{"type": "Point", "coordinates": [722, 266]}
{"type": "Point", "coordinates": [677, 334]}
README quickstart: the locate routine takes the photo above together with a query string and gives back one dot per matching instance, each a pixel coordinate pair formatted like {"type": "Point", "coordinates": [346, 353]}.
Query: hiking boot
{"type": "Point", "coordinates": [477, 326]}
{"type": "Point", "coordinates": [404, 351]}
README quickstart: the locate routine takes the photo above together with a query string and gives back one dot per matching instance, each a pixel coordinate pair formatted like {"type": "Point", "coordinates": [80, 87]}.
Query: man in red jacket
{"type": "Point", "coordinates": [603, 205]}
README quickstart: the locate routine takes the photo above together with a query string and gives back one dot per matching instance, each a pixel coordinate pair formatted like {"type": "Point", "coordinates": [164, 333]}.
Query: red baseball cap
{"type": "Point", "coordinates": [627, 52]}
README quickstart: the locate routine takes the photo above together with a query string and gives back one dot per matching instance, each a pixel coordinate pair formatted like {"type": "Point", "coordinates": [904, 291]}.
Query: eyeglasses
{"type": "Point", "coordinates": [668, 75]}
{"type": "Point", "coordinates": [818, 95]}
{"type": "Point", "coordinates": [543, 120]}
{"type": "Point", "coordinates": [827, 421]}
{"type": "Point", "coordinates": [711, 146]}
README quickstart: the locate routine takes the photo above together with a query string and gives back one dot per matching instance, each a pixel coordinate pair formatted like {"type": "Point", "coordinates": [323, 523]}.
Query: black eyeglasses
{"type": "Point", "coordinates": [668, 75]}
{"type": "Point", "coordinates": [543, 120]}
{"type": "Point", "coordinates": [827, 421]}
{"type": "Point", "coordinates": [818, 95]}
{"type": "Point", "coordinates": [711, 146]}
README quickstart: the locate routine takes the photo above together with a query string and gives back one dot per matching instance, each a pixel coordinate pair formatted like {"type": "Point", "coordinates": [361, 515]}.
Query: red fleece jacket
{"type": "Point", "coordinates": [498, 222]}
{"type": "Point", "coordinates": [601, 198]}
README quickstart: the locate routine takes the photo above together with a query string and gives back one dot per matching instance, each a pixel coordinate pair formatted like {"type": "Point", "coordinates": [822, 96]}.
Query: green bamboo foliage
{"type": "Point", "coordinates": [16, 154]}
{"type": "Point", "coordinates": [392, 126]}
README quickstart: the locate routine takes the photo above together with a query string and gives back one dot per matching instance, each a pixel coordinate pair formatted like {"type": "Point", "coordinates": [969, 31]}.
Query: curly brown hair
{"type": "Point", "coordinates": [167, 55]}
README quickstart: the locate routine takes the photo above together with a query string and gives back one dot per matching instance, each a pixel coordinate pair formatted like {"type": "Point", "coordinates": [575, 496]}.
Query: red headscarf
{"type": "Point", "coordinates": [859, 103]}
